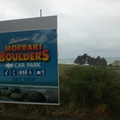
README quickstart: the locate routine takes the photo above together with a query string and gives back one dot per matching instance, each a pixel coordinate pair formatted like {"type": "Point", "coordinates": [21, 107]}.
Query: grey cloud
{"type": "Point", "coordinates": [84, 26]}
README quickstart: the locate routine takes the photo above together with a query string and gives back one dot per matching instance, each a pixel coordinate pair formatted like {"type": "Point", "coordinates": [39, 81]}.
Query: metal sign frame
{"type": "Point", "coordinates": [28, 61]}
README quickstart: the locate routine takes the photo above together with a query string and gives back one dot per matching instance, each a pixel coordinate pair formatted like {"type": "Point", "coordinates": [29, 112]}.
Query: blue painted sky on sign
{"type": "Point", "coordinates": [48, 39]}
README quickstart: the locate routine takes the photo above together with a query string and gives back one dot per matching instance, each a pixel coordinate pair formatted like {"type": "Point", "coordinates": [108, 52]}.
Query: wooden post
{"type": "Point", "coordinates": [3, 107]}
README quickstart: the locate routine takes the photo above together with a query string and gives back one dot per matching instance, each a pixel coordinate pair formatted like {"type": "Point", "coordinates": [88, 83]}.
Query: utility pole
{"type": "Point", "coordinates": [40, 13]}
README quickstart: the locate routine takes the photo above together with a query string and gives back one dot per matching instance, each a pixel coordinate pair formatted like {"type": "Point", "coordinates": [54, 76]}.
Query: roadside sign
{"type": "Point", "coordinates": [28, 61]}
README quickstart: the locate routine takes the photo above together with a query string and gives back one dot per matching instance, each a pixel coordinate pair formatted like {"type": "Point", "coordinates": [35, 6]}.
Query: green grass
{"type": "Point", "coordinates": [62, 67]}
{"type": "Point", "coordinates": [68, 106]}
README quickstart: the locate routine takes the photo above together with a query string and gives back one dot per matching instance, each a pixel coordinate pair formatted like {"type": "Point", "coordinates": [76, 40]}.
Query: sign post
{"type": "Point", "coordinates": [28, 61]}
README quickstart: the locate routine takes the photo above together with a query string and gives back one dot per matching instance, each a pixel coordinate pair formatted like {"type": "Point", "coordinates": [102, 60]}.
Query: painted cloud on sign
{"type": "Point", "coordinates": [45, 36]}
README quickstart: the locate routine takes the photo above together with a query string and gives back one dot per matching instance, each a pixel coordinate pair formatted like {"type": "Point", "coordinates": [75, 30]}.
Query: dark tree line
{"type": "Point", "coordinates": [88, 60]}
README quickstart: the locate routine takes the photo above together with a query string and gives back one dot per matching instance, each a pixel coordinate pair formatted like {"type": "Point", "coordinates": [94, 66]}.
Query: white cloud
{"type": "Point", "coordinates": [84, 26]}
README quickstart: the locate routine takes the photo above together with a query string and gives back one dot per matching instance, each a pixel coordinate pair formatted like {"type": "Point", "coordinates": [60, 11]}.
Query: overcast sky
{"type": "Point", "coordinates": [84, 26]}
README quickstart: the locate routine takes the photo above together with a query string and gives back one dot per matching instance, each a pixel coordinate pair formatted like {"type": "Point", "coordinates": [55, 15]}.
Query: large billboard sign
{"type": "Point", "coordinates": [28, 61]}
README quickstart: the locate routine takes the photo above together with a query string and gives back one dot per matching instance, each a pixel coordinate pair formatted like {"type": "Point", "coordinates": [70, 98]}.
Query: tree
{"type": "Point", "coordinates": [116, 63]}
{"type": "Point", "coordinates": [86, 59]}
{"type": "Point", "coordinates": [103, 61]}
{"type": "Point", "coordinates": [82, 59]}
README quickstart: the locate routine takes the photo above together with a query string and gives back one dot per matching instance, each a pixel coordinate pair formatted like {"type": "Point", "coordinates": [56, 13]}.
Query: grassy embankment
{"type": "Point", "coordinates": [86, 93]}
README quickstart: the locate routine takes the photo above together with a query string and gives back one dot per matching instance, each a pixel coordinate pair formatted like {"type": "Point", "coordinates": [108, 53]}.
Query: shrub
{"type": "Point", "coordinates": [91, 86]}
